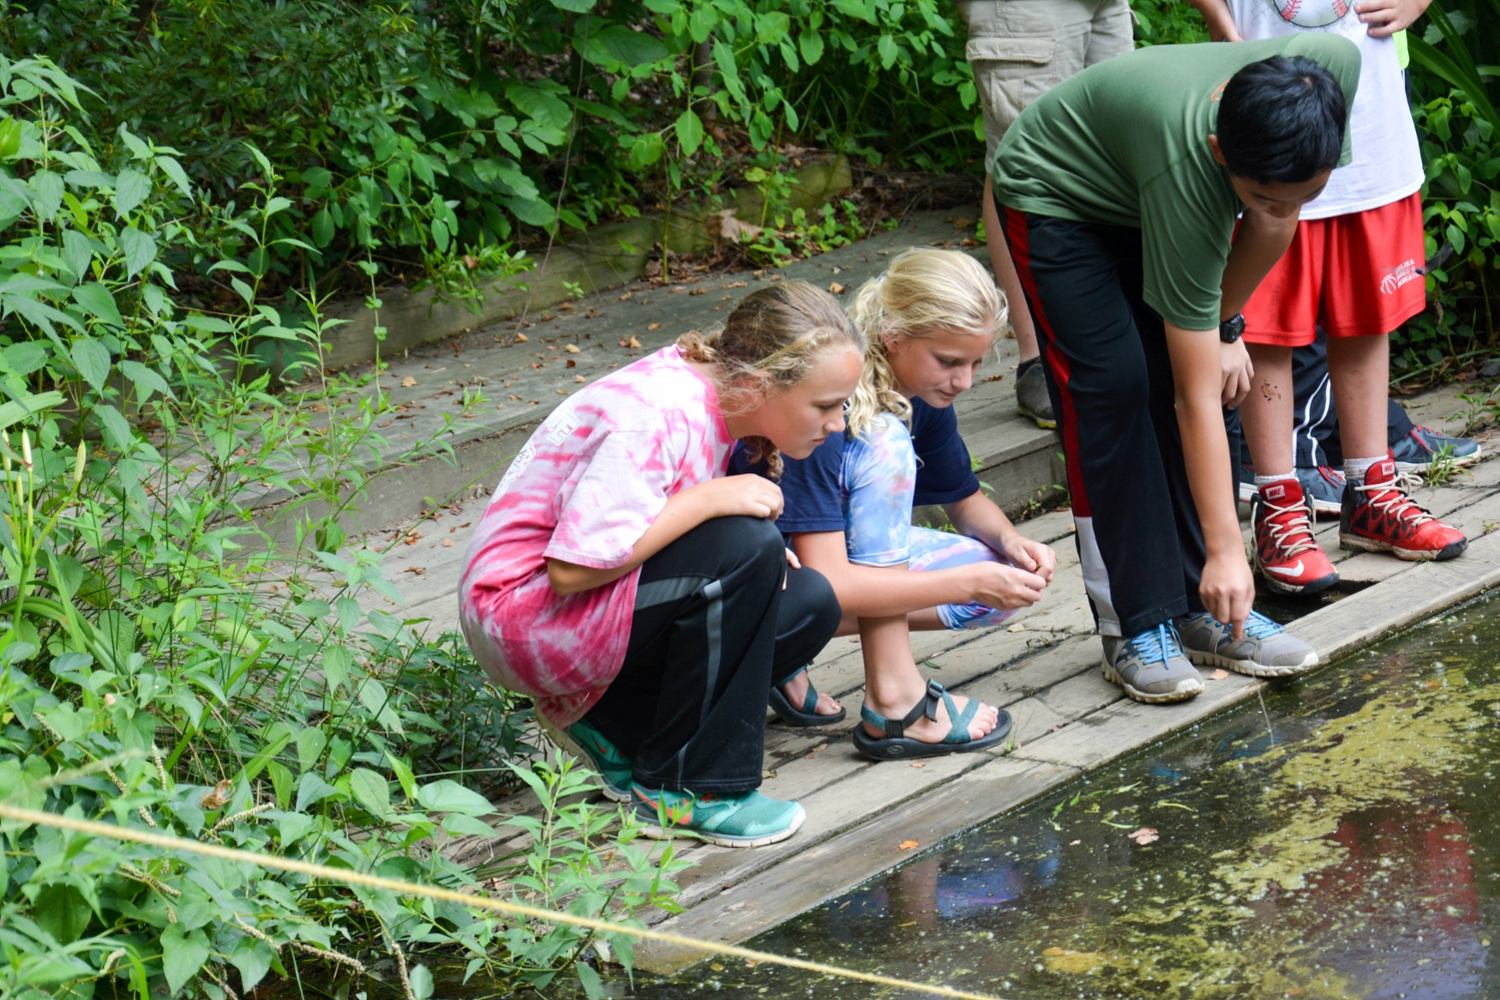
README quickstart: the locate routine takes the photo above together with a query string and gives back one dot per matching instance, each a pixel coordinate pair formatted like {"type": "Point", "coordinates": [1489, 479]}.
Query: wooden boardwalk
{"type": "Point", "coordinates": [1043, 668]}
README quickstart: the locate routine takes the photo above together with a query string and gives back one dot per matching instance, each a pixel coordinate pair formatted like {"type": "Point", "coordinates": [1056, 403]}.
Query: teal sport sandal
{"type": "Point", "coordinates": [588, 744]}
{"type": "Point", "coordinates": [747, 820]}
{"type": "Point", "coordinates": [808, 714]}
{"type": "Point", "coordinates": [896, 745]}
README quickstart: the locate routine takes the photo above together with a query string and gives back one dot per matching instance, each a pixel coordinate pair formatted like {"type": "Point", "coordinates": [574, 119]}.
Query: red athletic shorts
{"type": "Point", "coordinates": [1355, 275]}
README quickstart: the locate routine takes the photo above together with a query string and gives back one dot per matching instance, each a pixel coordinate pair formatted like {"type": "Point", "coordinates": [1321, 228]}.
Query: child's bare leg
{"type": "Point", "coordinates": [1359, 368]}
{"type": "Point", "coordinates": [893, 684]}
{"type": "Point", "coordinates": [1267, 413]}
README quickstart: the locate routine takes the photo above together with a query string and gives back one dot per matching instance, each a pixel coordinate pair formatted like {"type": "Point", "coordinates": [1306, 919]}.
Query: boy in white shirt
{"type": "Point", "coordinates": [1354, 268]}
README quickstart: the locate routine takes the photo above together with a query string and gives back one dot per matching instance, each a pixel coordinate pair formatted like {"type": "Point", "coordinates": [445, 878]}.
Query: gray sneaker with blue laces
{"type": "Point", "coordinates": [1267, 650]}
{"type": "Point", "coordinates": [1151, 666]}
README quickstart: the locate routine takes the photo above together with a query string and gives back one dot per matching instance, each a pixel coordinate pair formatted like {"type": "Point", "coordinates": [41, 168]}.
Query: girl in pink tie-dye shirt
{"type": "Point", "coordinates": [645, 602]}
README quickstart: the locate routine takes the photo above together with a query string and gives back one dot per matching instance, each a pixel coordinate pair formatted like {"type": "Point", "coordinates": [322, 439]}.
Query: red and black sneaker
{"type": "Point", "coordinates": [1286, 553]}
{"type": "Point", "coordinates": [1380, 517]}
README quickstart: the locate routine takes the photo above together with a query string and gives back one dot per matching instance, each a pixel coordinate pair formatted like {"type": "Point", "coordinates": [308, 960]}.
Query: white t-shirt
{"type": "Point", "coordinates": [1387, 162]}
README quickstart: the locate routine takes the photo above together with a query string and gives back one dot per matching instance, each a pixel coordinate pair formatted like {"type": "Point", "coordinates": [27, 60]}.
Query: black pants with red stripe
{"type": "Point", "coordinates": [1105, 354]}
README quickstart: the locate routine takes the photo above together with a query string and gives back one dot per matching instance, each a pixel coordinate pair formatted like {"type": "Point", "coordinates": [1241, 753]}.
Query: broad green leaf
{"type": "Point", "coordinates": [46, 194]}
{"type": "Point", "coordinates": [174, 170]}
{"type": "Point", "coordinates": [67, 722]}
{"type": "Point", "coordinates": [446, 795]}
{"type": "Point", "coordinates": [131, 188]}
{"type": "Point", "coordinates": [371, 791]}
{"type": "Point", "coordinates": [537, 103]}
{"type": "Point", "coordinates": [322, 228]}
{"type": "Point", "coordinates": [37, 313]}
{"type": "Point", "coordinates": [10, 137]}
{"type": "Point", "coordinates": [77, 251]}
{"type": "Point", "coordinates": [889, 51]}
{"type": "Point", "coordinates": [63, 912]}
{"type": "Point", "coordinates": [689, 131]}
{"type": "Point", "coordinates": [811, 44]}
{"type": "Point", "coordinates": [98, 302]}
{"type": "Point", "coordinates": [182, 955]}
{"type": "Point", "coordinates": [575, 6]}
{"type": "Point", "coordinates": [461, 825]}
{"type": "Point", "coordinates": [117, 435]}
{"type": "Point", "coordinates": [772, 27]}
{"type": "Point", "coordinates": [23, 358]}
{"type": "Point", "coordinates": [620, 44]}
{"type": "Point", "coordinates": [419, 977]}
{"type": "Point", "coordinates": [375, 699]}
{"type": "Point", "coordinates": [403, 775]}
{"type": "Point", "coordinates": [92, 360]}
{"type": "Point", "coordinates": [145, 379]}
{"type": "Point", "coordinates": [312, 788]}
{"type": "Point", "coordinates": [139, 249]}
{"type": "Point", "coordinates": [310, 744]}
{"type": "Point", "coordinates": [252, 957]}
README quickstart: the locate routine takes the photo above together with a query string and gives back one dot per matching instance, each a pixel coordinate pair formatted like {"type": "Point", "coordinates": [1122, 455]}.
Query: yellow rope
{"type": "Point", "coordinates": [94, 829]}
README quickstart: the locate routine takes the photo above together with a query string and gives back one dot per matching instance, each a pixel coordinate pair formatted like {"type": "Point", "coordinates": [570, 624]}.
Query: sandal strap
{"type": "Point", "coordinates": [896, 728]}
{"type": "Point", "coordinates": [810, 699]}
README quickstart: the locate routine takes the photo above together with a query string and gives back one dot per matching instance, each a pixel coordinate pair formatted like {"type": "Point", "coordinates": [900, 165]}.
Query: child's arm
{"type": "Point", "coordinates": [748, 496]}
{"type": "Point", "coordinates": [1227, 588]}
{"type": "Point", "coordinates": [1386, 17]}
{"type": "Point", "coordinates": [977, 516]}
{"type": "Point", "coordinates": [1219, 19]}
{"type": "Point", "coordinates": [876, 592]}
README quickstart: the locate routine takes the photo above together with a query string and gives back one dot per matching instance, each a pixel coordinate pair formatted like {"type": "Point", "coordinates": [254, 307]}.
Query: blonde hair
{"type": "Point", "coordinates": [775, 334]}
{"type": "Point", "coordinates": [922, 292]}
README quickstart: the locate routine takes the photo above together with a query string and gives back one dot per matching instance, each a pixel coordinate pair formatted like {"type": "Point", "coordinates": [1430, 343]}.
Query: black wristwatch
{"type": "Point", "coordinates": [1232, 329]}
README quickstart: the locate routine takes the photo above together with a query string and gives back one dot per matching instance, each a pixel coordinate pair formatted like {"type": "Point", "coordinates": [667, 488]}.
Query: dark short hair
{"type": "Point", "coordinates": [1281, 121]}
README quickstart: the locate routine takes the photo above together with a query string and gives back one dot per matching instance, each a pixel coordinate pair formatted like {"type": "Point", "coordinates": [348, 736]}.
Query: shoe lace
{"type": "Point", "coordinates": [1258, 626]}
{"type": "Point", "coordinates": [1391, 498]}
{"type": "Point", "coordinates": [1289, 527]}
{"type": "Point", "coordinates": [1158, 645]}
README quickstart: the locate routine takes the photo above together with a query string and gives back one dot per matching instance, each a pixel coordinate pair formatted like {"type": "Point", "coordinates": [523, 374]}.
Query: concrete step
{"type": "Point", "coordinates": [433, 389]}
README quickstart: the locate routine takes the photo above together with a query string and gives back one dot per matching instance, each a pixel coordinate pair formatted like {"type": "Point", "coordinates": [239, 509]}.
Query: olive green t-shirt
{"type": "Point", "coordinates": [1125, 143]}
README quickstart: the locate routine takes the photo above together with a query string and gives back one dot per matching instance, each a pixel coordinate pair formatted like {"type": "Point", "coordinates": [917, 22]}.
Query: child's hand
{"type": "Point", "coordinates": [741, 496]}
{"type": "Point", "coordinates": [1235, 373]}
{"type": "Point", "coordinates": [1032, 556]}
{"type": "Point", "coordinates": [1005, 587]}
{"type": "Point", "coordinates": [1386, 17]}
{"type": "Point", "coordinates": [1228, 590]}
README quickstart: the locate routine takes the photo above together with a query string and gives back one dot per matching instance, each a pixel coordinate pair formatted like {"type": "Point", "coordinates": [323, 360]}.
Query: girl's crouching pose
{"type": "Point", "coordinates": [647, 605]}
{"type": "Point", "coordinates": [929, 321]}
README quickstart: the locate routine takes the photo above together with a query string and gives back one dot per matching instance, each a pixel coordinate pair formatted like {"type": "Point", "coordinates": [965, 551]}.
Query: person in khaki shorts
{"type": "Point", "coordinates": [1020, 49]}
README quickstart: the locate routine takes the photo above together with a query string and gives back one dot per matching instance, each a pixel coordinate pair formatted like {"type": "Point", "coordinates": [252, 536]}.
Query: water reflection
{"type": "Point", "coordinates": [1340, 844]}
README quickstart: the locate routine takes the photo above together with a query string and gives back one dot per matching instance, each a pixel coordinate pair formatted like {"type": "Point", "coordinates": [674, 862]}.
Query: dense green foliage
{"type": "Point", "coordinates": [166, 661]}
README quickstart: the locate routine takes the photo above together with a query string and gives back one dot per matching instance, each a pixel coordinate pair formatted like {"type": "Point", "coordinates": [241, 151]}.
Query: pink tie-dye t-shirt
{"type": "Point", "coordinates": [584, 489]}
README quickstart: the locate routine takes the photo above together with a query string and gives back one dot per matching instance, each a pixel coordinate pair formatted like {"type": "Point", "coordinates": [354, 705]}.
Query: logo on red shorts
{"type": "Point", "coordinates": [1399, 275]}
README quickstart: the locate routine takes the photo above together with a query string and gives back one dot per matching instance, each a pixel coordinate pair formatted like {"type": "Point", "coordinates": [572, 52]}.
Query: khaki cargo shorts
{"type": "Point", "coordinates": [1020, 49]}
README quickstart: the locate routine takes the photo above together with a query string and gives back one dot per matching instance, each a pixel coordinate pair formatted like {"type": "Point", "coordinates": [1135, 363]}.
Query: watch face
{"type": "Point", "coordinates": [1231, 329]}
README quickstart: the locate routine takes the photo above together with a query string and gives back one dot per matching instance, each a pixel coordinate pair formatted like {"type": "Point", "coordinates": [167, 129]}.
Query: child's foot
{"type": "Point", "coordinates": [1266, 651]}
{"type": "Point", "coordinates": [1151, 666]}
{"type": "Point", "coordinates": [1379, 516]}
{"type": "Point", "coordinates": [1032, 399]}
{"type": "Point", "coordinates": [1286, 553]}
{"type": "Point", "coordinates": [939, 726]}
{"type": "Point", "coordinates": [933, 727]}
{"type": "Point", "coordinates": [796, 688]}
{"type": "Point", "coordinates": [747, 820]}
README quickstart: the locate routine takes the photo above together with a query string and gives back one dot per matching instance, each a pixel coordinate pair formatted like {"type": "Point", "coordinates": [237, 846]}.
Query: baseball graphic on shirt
{"type": "Point", "coordinates": [1311, 13]}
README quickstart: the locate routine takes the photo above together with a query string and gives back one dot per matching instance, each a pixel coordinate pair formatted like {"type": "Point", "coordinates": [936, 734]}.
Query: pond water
{"type": "Point", "coordinates": [1339, 842]}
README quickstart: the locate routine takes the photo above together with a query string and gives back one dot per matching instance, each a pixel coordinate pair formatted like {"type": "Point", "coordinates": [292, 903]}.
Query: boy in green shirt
{"type": "Point", "coordinates": [1121, 187]}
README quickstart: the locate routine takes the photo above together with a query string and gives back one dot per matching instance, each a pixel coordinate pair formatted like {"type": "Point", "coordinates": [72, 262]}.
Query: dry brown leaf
{"type": "Point", "coordinates": [219, 797]}
{"type": "Point", "coordinates": [653, 326]}
{"type": "Point", "coordinates": [723, 226]}
{"type": "Point", "coordinates": [907, 845]}
{"type": "Point", "coordinates": [919, 763]}
{"type": "Point", "coordinates": [962, 223]}
{"type": "Point", "coordinates": [634, 341]}
{"type": "Point", "coordinates": [562, 392]}
{"type": "Point", "coordinates": [734, 284]}
{"type": "Point", "coordinates": [626, 296]}
{"type": "Point", "coordinates": [571, 364]}
{"type": "Point", "coordinates": [1017, 627]}
{"type": "Point", "coordinates": [1145, 835]}
{"type": "Point", "coordinates": [521, 338]}
{"type": "Point", "coordinates": [572, 349]}
{"type": "Point", "coordinates": [836, 288]}
{"type": "Point", "coordinates": [579, 378]}
{"type": "Point", "coordinates": [698, 291]}
{"type": "Point", "coordinates": [447, 543]}
{"type": "Point", "coordinates": [408, 382]}
{"type": "Point", "coordinates": [515, 397]}
{"type": "Point", "coordinates": [418, 570]}
{"type": "Point", "coordinates": [1218, 675]}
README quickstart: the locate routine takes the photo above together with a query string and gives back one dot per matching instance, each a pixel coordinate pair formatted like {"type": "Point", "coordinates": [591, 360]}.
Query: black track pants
{"type": "Point", "coordinates": [713, 630]}
{"type": "Point", "coordinates": [1111, 384]}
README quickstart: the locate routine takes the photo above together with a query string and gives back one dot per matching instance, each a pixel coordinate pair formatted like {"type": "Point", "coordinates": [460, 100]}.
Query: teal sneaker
{"type": "Point", "coordinates": [1267, 650]}
{"type": "Point", "coordinates": [587, 743]}
{"type": "Point", "coordinates": [1150, 666]}
{"type": "Point", "coordinates": [748, 820]}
